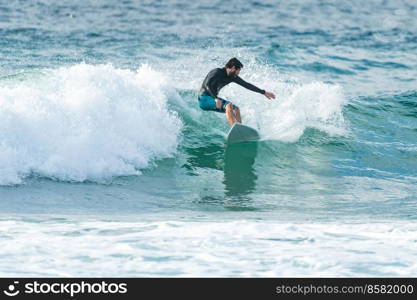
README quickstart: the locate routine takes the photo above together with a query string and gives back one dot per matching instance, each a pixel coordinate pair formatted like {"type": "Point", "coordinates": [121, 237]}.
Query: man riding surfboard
{"type": "Point", "coordinates": [215, 80]}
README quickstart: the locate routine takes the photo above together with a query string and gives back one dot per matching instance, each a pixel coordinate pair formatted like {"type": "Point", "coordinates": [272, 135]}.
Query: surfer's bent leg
{"type": "Point", "coordinates": [230, 116]}
{"type": "Point", "coordinates": [235, 111]}
{"type": "Point", "coordinates": [231, 110]}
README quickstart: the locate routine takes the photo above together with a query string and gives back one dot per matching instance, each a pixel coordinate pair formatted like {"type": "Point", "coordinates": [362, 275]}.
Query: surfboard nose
{"type": "Point", "coordinates": [241, 133]}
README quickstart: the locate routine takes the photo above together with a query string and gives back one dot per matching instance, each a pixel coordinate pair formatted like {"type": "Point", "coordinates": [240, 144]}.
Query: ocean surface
{"type": "Point", "coordinates": [109, 168]}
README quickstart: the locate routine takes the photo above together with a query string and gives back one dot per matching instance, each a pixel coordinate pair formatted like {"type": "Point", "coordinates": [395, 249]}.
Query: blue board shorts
{"type": "Point", "coordinates": [207, 102]}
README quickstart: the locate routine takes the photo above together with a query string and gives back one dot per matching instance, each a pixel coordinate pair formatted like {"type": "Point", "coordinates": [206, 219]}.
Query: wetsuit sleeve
{"type": "Point", "coordinates": [247, 85]}
{"type": "Point", "coordinates": [208, 84]}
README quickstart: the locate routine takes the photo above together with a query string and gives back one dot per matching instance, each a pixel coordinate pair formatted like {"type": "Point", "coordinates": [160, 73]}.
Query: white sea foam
{"type": "Point", "coordinates": [236, 248]}
{"type": "Point", "coordinates": [85, 122]}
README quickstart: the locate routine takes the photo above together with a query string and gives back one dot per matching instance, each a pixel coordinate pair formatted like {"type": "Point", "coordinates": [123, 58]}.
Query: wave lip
{"type": "Point", "coordinates": [300, 106]}
{"type": "Point", "coordinates": [85, 122]}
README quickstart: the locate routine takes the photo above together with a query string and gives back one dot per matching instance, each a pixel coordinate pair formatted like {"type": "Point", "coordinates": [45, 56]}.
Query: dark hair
{"type": "Point", "coordinates": [234, 62]}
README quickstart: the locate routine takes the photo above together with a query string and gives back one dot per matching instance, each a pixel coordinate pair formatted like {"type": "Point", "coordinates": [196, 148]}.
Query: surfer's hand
{"type": "Point", "coordinates": [269, 95]}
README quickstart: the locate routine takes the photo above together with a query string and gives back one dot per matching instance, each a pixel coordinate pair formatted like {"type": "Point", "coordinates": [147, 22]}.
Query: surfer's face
{"type": "Point", "coordinates": [233, 71]}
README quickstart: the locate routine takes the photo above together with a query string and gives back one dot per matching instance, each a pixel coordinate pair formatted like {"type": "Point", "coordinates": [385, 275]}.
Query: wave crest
{"type": "Point", "coordinates": [85, 122]}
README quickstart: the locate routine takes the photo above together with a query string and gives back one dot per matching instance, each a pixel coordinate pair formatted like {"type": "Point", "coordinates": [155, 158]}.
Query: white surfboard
{"type": "Point", "coordinates": [241, 133]}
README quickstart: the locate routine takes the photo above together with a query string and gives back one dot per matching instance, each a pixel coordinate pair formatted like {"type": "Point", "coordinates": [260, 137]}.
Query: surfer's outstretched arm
{"type": "Point", "coordinates": [253, 88]}
{"type": "Point", "coordinates": [233, 114]}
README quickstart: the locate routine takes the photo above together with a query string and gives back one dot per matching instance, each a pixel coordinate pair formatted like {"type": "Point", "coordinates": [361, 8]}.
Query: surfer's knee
{"type": "Point", "coordinates": [219, 103]}
{"type": "Point", "coordinates": [229, 107]}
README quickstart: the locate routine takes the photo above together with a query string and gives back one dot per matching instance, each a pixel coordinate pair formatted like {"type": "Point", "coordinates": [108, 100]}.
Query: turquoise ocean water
{"type": "Point", "coordinates": [109, 168]}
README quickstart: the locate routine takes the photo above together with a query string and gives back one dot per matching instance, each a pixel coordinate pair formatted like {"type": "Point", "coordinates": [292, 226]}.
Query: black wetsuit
{"type": "Point", "coordinates": [218, 78]}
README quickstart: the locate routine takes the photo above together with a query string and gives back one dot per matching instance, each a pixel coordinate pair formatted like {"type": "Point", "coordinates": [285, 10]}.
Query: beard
{"type": "Point", "coordinates": [233, 74]}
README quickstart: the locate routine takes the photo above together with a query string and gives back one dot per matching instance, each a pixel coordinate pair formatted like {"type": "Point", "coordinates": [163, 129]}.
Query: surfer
{"type": "Point", "coordinates": [217, 79]}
